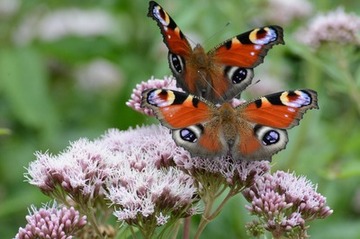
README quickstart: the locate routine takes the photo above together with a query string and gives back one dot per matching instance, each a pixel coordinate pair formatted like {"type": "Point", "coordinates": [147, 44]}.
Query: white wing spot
{"type": "Point", "coordinates": [269, 37]}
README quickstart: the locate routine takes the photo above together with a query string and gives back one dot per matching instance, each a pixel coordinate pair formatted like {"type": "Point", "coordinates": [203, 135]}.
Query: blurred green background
{"type": "Point", "coordinates": [68, 67]}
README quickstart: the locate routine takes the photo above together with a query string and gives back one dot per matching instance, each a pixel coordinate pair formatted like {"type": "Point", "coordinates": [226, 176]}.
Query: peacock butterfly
{"type": "Point", "coordinates": [222, 73]}
{"type": "Point", "coordinates": [251, 131]}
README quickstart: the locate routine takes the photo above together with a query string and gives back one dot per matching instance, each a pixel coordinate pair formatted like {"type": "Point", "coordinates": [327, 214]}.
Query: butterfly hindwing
{"type": "Point", "coordinates": [260, 143]}
{"type": "Point", "coordinates": [200, 140]}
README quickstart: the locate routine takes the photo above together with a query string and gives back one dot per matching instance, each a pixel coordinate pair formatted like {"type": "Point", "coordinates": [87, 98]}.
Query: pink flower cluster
{"type": "Point", "coordinates": [336, 26]}
{"type": "Point", "coordinates": [284, 202]}
{"type": "Point", "coordinates": [80, 170]}
{"type": "Point", "coordinates": [128, 168]}
{"type": "Point", "coordinates": [146, 180]}
{"type": "Point", "coordinates": [52, 222]}
{"type": "Point", "coordinates": [135, 100]}
{"type": "Point", "coordinates": [290, 11]}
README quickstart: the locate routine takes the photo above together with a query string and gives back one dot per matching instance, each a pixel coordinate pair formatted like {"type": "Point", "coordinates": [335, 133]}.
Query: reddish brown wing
{"type": "Point", "coordinates": [224, 72]}
{"type": "Point", "coordinates": [248, 49]}
{"type": "Point", "coordinates": [263, 132]}
{"type": "Point", "coordinates": [201, 140]}
{"type": "Point", "coordinates": [176, 109]}
{"type": "Point", "coordinates": [281, 110]}
{"type": "Point", "coordinates": [186, 115]}
{"type": "Point", "coordinates": [172, 35]}
{"type": "Point", "coordinates": [232, 62]}
{"type": "Point", "coordinates": [250, 143]}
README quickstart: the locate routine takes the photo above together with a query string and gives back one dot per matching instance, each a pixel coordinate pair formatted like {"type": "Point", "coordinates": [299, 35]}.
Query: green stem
{"type": "Point", "coordinates": [208, 215]}
{"type": "Point", "coordinates": [187, 223]}
{"type": "Point", "coordinates": [89, 211]}
{"type": "Point", "coordinates": [313, 74]}
{"type": "Point", "coordinates": [220, 207]}
{"type": "Point", "coordinates": [176, 230]}
{"type": "Point", "coordinates": [298, 145]}
{"type": "Point", "coordinates": [204, 218]}
{"type": "Point", "coordinates": [147, 227]}
{"type": "Point", "coordinates": [133, 234]}
{"type": "Point", "coordinates": [220, 191]}
{"type": "Point", "coordinates": [90, 214]}
{"type": "Point", "coordinates": [349, 79]}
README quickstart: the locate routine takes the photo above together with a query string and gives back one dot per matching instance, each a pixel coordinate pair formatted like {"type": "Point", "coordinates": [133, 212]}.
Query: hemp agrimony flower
{"type": "Point", "coordinates": [335, 26]}
{"type": "Point", "coordinates": [135, 100]}
{"type": "Point", "coordinates": [126, 173]}
{"type": "Point", "coordinates": [290, 11]}
{"type": "Point", "coordinates": [52, 222]}
{"type": "Point", "coordinates": [283, 203]}
{"type": "Point", "coordinates": [212, 175]}
{"type": "Point", "coordinates": [147, 182]}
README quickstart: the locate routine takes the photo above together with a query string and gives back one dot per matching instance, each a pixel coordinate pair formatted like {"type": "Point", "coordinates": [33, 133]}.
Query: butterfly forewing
{"type": "Point", "coordinates": [280, 110]}
{"type": "Point", "coordinates": [172, 35]}
{"type": "Point", "coordinates": [248, 49]}
{"type": "Point", "coordinates": [176, 109]}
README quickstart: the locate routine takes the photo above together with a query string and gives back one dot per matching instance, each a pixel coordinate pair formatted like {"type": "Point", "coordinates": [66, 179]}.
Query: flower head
{"type": "Point", "coordinates": [129, 169]}
{"type": "Point", "coordinates": [234, 173]}
{"type": "Point", "coordinates": [80, 170]}
{"type": "Point", "coordinates": [52, 222]}
{"type": "Point", "coordinates": [336, 26]}
{"type": "Point", "coordinates": [290, 10]}
{"type": "Point", "coordinates": [9, 7]}
{"type": "Point", "coordinates": [285, 203]}
{"type": "Point", "coordinates": [64, 22]}
{"type": "Point", "coordinates": [99, 75]}
{"type": "Point", "coordinates": [142, 183]}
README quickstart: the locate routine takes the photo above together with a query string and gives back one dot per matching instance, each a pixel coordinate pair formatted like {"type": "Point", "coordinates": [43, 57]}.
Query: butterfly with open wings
{"type": "Point", "coordinates": [222, 73]}
{"type": "Point", "coordinates": [252, 131]}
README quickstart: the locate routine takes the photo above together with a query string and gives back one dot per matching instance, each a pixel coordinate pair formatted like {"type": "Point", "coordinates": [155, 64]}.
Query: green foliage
{"type": "Point", "coordinates": [43, 106]}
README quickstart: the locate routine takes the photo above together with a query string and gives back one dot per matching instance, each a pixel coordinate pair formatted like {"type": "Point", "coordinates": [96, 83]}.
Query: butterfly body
{"type": "Point", "coordinates": [200, 72]}
{"type": "Point", "coordinates": [222, 73]}
{"type": "Point", "coordinates": [224, 126]}
{"type": "Point", "coordinates": [252, 131]}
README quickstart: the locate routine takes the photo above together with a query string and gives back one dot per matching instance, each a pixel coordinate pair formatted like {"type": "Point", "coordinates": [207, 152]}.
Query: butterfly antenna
{"type": "Point", "coordinates": [251, 85]}
{"type": "Point", "coordinates": [212, 87]}
{"type": "Point", "coordinates": [216, 33]}
{"type": "Point", "coordinates": [205, 42]}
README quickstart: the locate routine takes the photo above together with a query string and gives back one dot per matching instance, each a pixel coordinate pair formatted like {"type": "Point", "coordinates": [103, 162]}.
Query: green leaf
{"type": "Point", "coordinates": [5, 131]}
{"type": "Point", "coordinates": [349, 169]}
{"type": "Point", "coordinates": [23, 81]}
{"type": "Point", "coordinates": [306, 53]}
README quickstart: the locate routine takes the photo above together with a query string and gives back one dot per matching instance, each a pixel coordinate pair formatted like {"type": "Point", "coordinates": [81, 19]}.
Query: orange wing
{"type": "Point", "coordinates": [176, 109]}
{"type": "Point", "coordinates": [172, 35]}
{"type": "Point", "coordinates": [279, 110]}
{"type": "Point", "coordinates": [248, 49]}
